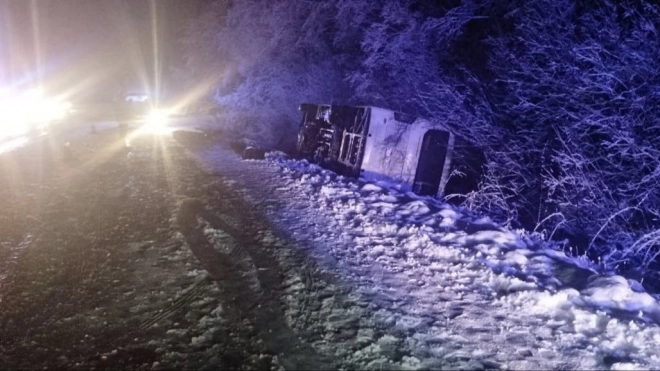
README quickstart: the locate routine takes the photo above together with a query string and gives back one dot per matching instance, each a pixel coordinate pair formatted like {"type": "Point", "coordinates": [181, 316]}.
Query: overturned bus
{"type": "Point", "coordinates": [377, 144]}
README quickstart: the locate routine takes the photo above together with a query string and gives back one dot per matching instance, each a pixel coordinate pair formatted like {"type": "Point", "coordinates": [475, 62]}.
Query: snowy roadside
{"type": "Point", "coordinates": [451, 290]}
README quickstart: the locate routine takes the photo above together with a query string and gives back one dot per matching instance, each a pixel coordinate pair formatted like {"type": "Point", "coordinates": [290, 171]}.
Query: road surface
{"type": "Point", "coordinates": [105, 263]}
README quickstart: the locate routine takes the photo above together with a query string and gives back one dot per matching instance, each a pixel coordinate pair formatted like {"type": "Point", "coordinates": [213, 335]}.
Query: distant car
{"type": "Point", "coordinates": [133, 106]}
{"type": "Point", "coordinates": [136, 97]}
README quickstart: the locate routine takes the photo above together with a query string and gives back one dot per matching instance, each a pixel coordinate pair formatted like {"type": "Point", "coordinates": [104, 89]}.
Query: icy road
{"type": "Point", "coordinates": [172, 252]}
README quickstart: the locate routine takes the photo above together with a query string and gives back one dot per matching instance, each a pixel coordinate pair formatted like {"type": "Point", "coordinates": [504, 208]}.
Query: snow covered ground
{"type": "Point", "coordinates": [397, 281]}
{"type": "Point", "coordinates": [453, 290]}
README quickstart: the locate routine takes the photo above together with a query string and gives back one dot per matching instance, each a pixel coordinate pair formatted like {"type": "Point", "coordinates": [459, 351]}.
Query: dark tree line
{"type": "Point", "coordinates": [563, 97]}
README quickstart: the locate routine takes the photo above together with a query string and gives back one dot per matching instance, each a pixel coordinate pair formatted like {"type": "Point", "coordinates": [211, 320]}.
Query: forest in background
{"type": "Point", "coordinates": [562, 96]}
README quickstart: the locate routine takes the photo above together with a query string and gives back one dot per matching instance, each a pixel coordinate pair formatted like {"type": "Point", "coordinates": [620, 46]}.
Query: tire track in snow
{"type": "Point", "coordinates": [192, 294]}
{"type": "Point", "coordinates": [262, 306]}
{"type": "Point", "coordinates": [8, 264]}
{"type": "Point", "coordinates": [319, 303]}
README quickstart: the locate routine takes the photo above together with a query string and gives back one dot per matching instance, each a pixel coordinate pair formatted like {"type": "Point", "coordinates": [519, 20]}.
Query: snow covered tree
{"type": "Point", "coordinates": [561, 96]}
{"type": "Point", "coordinates": [575, 88]}
{"type": "Point", "coordinates": [276, 55]}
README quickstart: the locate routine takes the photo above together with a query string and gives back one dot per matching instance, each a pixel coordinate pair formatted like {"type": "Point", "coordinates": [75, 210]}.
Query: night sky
{"type": "Point", "coordinates": [86, 48]}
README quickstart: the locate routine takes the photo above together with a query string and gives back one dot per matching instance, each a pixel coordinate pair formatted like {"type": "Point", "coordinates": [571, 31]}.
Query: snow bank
{"type": "Point", "coordinates": [461, 288]}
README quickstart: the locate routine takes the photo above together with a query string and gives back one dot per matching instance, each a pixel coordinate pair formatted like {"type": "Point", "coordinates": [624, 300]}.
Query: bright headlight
{"type": "Point", "coordinates": [12, 117]}
{"type": "Point", "coordinates": [29, 110]}
{"type": "Point", "coordinates": [157, 117]}
{"type": "Point", "coordinates": [12, 122]}
{"type": "Point", "coordinates": [58, 110]}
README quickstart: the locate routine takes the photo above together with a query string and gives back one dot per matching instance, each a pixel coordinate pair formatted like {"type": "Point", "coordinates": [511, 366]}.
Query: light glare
{"type": "Point", "coordinates": [157, 117]}
{"type": "Point", "coordinates": [20, 113]}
